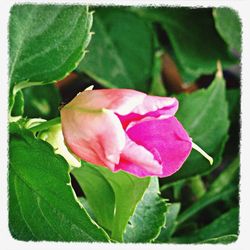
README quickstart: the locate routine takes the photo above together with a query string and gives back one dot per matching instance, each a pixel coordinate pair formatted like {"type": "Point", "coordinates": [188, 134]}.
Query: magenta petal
{"type": "Point", "coordinates": [166, 139]}
{"type": "Point", "coordinates": [137, 160]}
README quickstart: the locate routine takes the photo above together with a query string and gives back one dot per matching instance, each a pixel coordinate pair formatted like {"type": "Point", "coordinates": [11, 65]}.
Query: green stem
{"type": "Point", "coordinates": [197, 186]}
{"type": "Point", "coordinates": [46, 125]}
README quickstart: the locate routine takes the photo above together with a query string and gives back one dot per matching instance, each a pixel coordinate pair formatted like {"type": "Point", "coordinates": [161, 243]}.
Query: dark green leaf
{"type": "Point", "coordinates": [204, 114]}
{"type": "Point", "coordinates": [224, 225]}
{"type": "Point", "coordinates": [233, 99]}
{"type": "Point", "coordinates": [41, 101]}
{"type": "Point", "coordinates": [219, 190]}
{"type": "Point", "coordinates": [121, 51]}
{"type": "Point", "coordinates": [225, 239]}
{"type": "Point", "coordinates": [110, 194]}
{"type": "Point", "coordinates": [149, 216]}
{"type": "Point", "coordinates": [228, 24]}
{"type": "Point", "coordinates": [226, 177]}
{"type": "Point", "coordinates": [195, 42]}
{"type": "Point", "coordinates": [42, 204]}
{"type": "Point", "coordinates": [46, 41]}
{"type": "Point", "coordinates": [171, 215]}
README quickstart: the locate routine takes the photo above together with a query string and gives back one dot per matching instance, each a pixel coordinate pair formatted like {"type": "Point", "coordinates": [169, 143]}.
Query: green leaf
{"type": "Point", "coordinates": [204, 114]}
{"type": "Point", "coordinates": [121, 51]}
{"type": "Point", "coordinates": [149, 216]}
{"type": "Point", "coordinates": [110, 194]}
{"type": "Point", "coordinates": [99, 193]}
{"type": "Point", "coordinates": [168, 229]}
{"type": "Point", "coordinates": [196, 44]}
{"type": "Point", "coordinates": [224, 225]}
{"type": "Point", "coordinates": [46, 42]}
{"type": "Point", "coordinates": [219, 190]}
{"type": "Point", "coordinates": [42, 204]}
{"type": "Point", "coordinates": [41, 101]}
{"type": "Point", "coordinates": [228, 24]}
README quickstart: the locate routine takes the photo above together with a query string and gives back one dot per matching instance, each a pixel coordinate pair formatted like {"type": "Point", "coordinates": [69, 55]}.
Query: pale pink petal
{"type": "Point", "coordinates": [121, 101]}
{"type": "Point", "coordinates": [155, 103]}
{"type": "Point", "coordinates": [166, 139]}
{"type": "Point", "coordinates": [96, 136]}
{"type": "Point", "coordinates": [137, 160]}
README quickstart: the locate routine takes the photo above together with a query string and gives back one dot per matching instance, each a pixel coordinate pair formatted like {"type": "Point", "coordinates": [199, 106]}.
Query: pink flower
{"type": "Point", "coordinates": [123, 129]}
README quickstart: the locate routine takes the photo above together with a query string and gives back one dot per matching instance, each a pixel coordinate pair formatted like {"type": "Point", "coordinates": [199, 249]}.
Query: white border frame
{"type": "Point", "coordinates": [8, 243]}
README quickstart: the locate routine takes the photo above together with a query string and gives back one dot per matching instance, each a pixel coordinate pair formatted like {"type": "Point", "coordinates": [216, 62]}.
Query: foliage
{"type": "Point", "coordinates": [50, 200]}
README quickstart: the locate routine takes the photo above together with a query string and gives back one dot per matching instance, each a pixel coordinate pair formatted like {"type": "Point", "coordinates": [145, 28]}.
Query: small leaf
{"type": "Point", "coordinates": [149, 216]}
{"type": "Point", "coordinates": [204, 114]}
{"type": "Point", "coordinates": [41, 101]}
{"type": "Point", "coordinates": [110, 194]}
{"type": "Point", "coordinates": [157, 86]}
{"type": "Point", "coordinates": [18, 106]}
{"type": "Point", "coordinates": [121, 51]}
{"type": "Point", "coordinates": [228, 24]}
{"type": "Point", "coordinates": [42, 204]}
{"type": "Point", "coordinates": [46, 41]}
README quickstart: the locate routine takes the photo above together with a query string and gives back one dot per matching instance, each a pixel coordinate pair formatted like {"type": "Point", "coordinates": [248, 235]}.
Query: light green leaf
{"type": "Point", "coordinates": [46, 42]}
{"type": "Point", "coordinates": [149, 216]}
{"type": "Point", "coordinates": [112, 196]}
{"type": "Point", "coordinates": [224, 225]}
{"type": "Point", "coordinates": [204, 114]}
{"type": "Point", "coordinates": [168, 229]}
{"type": "Point", "coordinates": [121, 51]}
{"type": "Point", "coordinates": [99, 193]}
{"type": "Point", "coordinates": [228, 24]}
{"type": "Point", "coordinates": [42, 204]}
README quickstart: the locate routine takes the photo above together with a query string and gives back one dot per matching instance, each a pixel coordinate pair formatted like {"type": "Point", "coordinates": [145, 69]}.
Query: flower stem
{"type": "Point", "coordinates": [197, 186]}
{"type": "Point", "coordinates": [208, 157]}
{"type": "Point", "coordinates": [46, 125]}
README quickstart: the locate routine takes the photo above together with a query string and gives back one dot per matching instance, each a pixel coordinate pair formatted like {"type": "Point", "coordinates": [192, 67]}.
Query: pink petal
{"type": "Point", "coordinates": [166, 139]}
{"type": "Point", "coordinates": [96, 136]}
{"type": "Point", "coordinates": [137, 160]}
